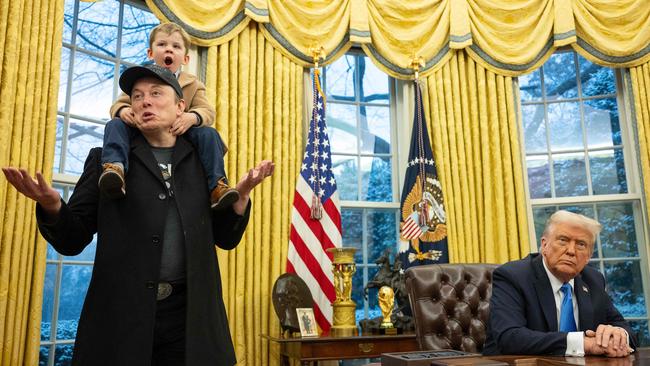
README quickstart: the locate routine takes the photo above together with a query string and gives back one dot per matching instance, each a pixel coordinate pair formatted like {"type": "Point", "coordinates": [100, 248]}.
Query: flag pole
{"type": "Point", "coordinates": [416, 63]}
{"type": "Point", "coordinates": [316, 210]}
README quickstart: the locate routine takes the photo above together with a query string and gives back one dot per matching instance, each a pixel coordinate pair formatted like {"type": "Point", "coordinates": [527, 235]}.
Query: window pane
{"type": "Point", "coordinates": [359, 123]}
{"type": "Point", "coordinates": [382, 233]}
{"type": "Point", "coordinates": [585, 210]}
{"type": "Point", "coordinates": [342, 127]}
{"type": "Point", "coordinates": [357, 292]}
{"type": "Point", "coordinates": [82, 136]}
{"type": "Point", "coordinates": [375, 130]}
{"type": "Point", "coordinates": [618, 236]}
{"type": "Point", "coordinates": [48, 300]}
{"type": "Point", "coordinates": [63, 78]}
{"type": "Point", "coordinates": [530, 86]}
{"type": "Point", "coordinates": [63, 355]}
{"type": "Point", "coordinates": [373, 304]}
{"type": "Point", "coordinates": [596, 79]}
{"type": "Point", "coordinates": [564, 125]}
{"type": "Point", "coordinates": [138, 24]}
{"type": "Point", "coordinates": [570, 175]}
{"type": "Point", "coordinates": [376, 179]}
{"type": "Point", "coordinates": [375, 82]}
{"type": "Point", "coordinates": [92, 86]}
{"type": "Point", "coordinates": [352, 228]}
{"type": "Point", "coordinates": [560, 76]}
{"type": "Point", "coordinates": [607, 171]}
{"type": "Point", "coordinates": [640, 329]}
{"type": "Point", "coordinates": [51, 253]}
{"type": "Point", "coordinates": [75, 279]}
{"type": "Point", "coordinates": [601, 122]}
{"type": "Point", "coordinates": [626, 294]}
{"type": "Point", "coordinates": [43, 355]}
{"type": "Point", "coordinates": [345, 172]}
{"type": "Point", "coordinates": [534, 127]}
{"type": "Point", "coordinates": [539, 177]}
{"type": "Point", "coordinates": [340, 79]}
{"type": "Point", "coordinates": [97, 27]}
{"type": "Point", "coordinates": [373, 300]}
{"type": "Point", "coordinates": [540, 216]}
{"type": "Point", "coordinates": [58, 145]}
{"type": "Point", "coordinates": [68, 18]}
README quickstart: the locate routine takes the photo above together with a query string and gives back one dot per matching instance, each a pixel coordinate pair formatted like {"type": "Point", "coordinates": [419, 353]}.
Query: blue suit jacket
{"type": "Point", "coordinates": [523, 317]}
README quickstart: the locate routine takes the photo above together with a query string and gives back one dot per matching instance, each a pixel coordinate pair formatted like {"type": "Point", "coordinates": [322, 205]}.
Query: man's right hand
{"type": "Point", "coordinates": [35, 189]}
{"type": "Point", "coordinates": [127, 115]}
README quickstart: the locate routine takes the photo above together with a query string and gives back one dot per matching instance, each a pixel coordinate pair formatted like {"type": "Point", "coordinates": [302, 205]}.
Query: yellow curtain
{"type": "Point", "coordinates": [208, 22]}
{"type": "Point", "coordinates": [639, 81]}
{"type": "Point", "coordinates": [474, 130]}
{"type": "Point", "coordinates": [30, 39]}
{"type": "Point", "coordinates": [258, 94]}
{"type": "Point", "coordinates": [509, 37]}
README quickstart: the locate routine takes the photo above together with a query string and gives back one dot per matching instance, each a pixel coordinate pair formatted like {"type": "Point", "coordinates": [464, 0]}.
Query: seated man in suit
{"type": "Point", "coordinates": [554, 303]}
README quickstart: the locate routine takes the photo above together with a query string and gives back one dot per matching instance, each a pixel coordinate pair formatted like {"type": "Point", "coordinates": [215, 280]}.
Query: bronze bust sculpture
{"type": "Point", "coordinates": [290, 292]}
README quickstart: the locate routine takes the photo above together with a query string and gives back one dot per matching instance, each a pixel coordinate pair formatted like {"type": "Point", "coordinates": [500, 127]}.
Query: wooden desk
{"type": "Point", "coordinates": [308, 350]}
{"type": "Point", "coordinates": [640, 358]}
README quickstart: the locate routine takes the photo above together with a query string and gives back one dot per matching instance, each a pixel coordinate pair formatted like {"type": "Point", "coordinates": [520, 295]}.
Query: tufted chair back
{"type": "Point", "coordinates": [451, 304]}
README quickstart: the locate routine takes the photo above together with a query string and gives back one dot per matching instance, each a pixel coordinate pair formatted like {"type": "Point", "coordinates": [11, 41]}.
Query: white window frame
{"type": "Point", "coordinates": [635, 195]}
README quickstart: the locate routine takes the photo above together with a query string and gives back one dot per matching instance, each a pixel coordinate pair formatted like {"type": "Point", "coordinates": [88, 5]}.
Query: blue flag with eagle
{"type": "Point", "coordinates": [423, 224]}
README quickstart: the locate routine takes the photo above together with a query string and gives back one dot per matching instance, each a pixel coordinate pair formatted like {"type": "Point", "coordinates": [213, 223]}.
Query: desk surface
{"type": "Point", "coordinates": [639, 358]}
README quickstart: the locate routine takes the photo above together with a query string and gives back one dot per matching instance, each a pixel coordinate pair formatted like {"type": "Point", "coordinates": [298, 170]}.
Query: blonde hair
{"type": "Point", "coordinates": [169, 28]}
{"type": "Point", "coordinates": [562, 216]}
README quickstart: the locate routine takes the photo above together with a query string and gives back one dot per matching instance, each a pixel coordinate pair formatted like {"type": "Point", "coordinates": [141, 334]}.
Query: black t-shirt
{"type": "Point", "coordinates": [172, 264]}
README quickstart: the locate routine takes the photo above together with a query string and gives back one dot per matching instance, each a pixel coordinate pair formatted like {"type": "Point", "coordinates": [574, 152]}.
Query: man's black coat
{"type": "Point", "coordinates": [117, 319]}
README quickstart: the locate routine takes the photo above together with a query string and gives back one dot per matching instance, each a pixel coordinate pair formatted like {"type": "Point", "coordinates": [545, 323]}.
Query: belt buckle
{"type": "Point", "coordinates": [164, 290]}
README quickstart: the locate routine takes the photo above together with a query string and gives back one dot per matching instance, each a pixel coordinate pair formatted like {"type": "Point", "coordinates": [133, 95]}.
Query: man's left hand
{"type": "Point", "coordinates": [246, 184]}
{"type": "Point", "coordinates": [612, 339]}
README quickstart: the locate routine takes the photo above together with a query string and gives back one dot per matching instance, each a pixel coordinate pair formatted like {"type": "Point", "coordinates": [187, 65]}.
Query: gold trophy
{"type": "Point", "coordinates": [343, 268]}
{"type": "Point", "coordinates": [386, 304]}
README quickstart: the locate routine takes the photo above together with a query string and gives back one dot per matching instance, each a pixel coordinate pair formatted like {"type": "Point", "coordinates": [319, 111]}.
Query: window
{"type": "Point", "coordinates": [100, 39]}
{"type": "Point", "coordinates": [580, 157]}
{"type": "Point", "coordinates": [360, 115]}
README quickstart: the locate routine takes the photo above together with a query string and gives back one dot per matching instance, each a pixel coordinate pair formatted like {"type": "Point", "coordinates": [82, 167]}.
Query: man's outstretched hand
{"type": "Point", "coordinates": [35, 189]}
{"type": "Point", "coordinates": [246, 184]}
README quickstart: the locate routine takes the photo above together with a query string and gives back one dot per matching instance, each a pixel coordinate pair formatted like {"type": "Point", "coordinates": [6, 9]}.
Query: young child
{"type": "Point", "coordinates": [168, 47]}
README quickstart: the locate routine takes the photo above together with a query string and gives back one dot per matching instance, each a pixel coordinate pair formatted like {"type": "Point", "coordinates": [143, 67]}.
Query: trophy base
{"type": "Point", "coordinates": [345, 324]}
{"type": "Point", "coordinates": [390, 331]}
{"type": "Point", "coordinates": [343, 331]}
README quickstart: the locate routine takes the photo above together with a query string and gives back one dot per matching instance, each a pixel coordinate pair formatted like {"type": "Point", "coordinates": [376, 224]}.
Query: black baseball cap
{"type": "Point", "coordinates": [135, 73]}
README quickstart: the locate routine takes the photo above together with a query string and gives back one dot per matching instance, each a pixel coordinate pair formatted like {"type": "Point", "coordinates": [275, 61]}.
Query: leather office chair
{"type": "Point", "coordinates": [450, 304]}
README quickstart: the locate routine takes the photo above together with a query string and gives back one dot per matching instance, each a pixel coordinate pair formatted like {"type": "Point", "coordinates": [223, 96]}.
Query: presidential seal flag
{"type": "Point", "coordinates": [423, 228]}
{"type": "Point", "coordinates": [316, 215]}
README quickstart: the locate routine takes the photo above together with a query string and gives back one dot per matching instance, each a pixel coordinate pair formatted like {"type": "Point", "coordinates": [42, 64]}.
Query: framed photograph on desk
{"type": "Point", "coordinates": [308, 327]}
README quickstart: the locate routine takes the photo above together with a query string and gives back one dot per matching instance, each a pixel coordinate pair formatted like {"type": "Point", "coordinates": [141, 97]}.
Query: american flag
{"type": "Point", "coordinates": [316, 215]}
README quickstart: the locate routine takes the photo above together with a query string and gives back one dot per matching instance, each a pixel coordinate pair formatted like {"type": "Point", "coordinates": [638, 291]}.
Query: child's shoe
{"type": "Point", "coordinates": [111, 182]}
{"type": "Point", "coordinates": [223, 196]}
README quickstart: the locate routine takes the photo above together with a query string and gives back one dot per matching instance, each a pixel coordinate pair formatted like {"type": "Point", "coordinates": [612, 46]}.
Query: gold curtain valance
{"type": "Point", "coordinates": [509, 37]}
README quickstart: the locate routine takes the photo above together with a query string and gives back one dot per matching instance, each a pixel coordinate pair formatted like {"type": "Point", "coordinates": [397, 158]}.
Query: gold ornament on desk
{"type": "Point", "coordinates": [387, 304]}
{"type": "Point", "coordinates": [343, 308]}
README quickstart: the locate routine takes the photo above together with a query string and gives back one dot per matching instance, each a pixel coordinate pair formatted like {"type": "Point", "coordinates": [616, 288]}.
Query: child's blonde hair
{"type": "Point", "coordinates": [169, 28]}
